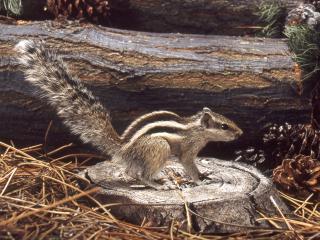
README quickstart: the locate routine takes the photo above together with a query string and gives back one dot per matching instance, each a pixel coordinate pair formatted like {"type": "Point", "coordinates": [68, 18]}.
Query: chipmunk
{"type": "Point", "coordinates": [146, 144]}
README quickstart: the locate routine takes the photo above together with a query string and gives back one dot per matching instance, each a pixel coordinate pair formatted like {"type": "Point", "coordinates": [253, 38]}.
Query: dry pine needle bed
{"type": "Point", "coordinates": [40, 198]}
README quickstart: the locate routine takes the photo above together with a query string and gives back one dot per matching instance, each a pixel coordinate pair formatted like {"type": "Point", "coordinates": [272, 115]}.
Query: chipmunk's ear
{"type": "Point", "coordinates": [205, 119]}
{"type": "Point", "coordinates": [206, 109]}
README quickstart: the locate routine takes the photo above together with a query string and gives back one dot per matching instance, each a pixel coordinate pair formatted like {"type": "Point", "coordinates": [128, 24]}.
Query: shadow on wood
{"type": "Point", "coordinates": [230, 17]}
{"type": "Point", "coordinates": [227, 201]}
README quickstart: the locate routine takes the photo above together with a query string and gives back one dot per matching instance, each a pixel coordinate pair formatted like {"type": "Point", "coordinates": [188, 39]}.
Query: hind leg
{"type": "Point", "coordinates": [156, 154]}
{"type": "Point", "coordinates": [146, 157]}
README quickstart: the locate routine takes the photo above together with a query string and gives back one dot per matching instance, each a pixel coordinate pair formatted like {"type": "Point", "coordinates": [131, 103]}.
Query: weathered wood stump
{"type": "Point", "coordinates": [227, 201]}
{"type": "Point", "coordinates": [250, 80]}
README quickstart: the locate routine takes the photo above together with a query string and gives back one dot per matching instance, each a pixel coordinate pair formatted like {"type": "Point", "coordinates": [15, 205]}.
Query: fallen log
{"type": "Point", "coordinates": [231, 17]}
{"type": "Point", "coordinates": [250, 80]}
{"type": "Point", "coordinates": [227, 201]}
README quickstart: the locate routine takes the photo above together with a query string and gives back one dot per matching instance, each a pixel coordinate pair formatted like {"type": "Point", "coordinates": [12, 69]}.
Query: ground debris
{"type": "Point", "coordinates": [40, 199]}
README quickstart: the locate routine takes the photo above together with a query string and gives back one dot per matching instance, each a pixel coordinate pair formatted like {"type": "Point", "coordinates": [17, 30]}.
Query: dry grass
{"type": "Point", "coordinates": [40, 199]}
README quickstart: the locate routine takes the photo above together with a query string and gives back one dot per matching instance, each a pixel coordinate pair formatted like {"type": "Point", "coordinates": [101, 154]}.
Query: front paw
{"type": "Point", "coordinates": [199, 183]}
{"type": "Point", "coordinates": [204, 176]}
{"type": "Point", "coordinates": [167, 186]}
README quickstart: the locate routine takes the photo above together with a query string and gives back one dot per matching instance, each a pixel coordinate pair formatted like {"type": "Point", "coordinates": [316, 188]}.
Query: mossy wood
{"type": "Point", "coordinates": [231, 17]}
{"type": "Point", "coordinates": [228, 200]}
{"type": "Point", "coordinates": [250, 80]}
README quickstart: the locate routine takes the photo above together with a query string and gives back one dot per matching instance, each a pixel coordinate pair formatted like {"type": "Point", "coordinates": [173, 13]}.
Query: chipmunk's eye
{"type": "Point", "coordinates": [224, 126]}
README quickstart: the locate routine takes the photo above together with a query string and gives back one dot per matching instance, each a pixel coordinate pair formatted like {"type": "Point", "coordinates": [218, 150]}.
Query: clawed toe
{"type": "Point", "coordinates": [166, 187]}
{"type": "Point", "coordinates": [204, 176]}
{"type": "Point", "coordinates": [199, 183]}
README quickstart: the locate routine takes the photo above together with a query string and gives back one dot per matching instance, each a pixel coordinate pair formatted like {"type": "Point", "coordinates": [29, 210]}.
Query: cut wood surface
{"type": "Point", "coordinates": [250, 80]}
{"type": "Point", "coordinates": [227, 201]}
{"type": "Point", "coordinates": [231, 17]}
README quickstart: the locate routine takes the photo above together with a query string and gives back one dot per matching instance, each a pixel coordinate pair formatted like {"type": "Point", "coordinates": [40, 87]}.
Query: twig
{"type": "Point", "coordinates": [279, 210]}
{"type": "Point", "coordinates": [24, 215]}
{"type": "Point", "coordinates": [304, 203]}
{"type": "Point", "coordinates": [9, 180]}
{"type": "Point", "coordinates": [18, 151]}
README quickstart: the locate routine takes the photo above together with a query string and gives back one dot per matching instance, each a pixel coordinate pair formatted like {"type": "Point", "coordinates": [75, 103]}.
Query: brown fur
{"type": "Point", "coordinates": [148, 118]}
{"type": "Point", "coordinates": [146, 144]}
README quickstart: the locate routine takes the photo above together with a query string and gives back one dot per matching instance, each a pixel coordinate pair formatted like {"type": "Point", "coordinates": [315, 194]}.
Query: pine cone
{"type": "Point", "coordinates": [286, 141]}
{"type": "Point", "coordinates": [300, 175]}
{"type": "Point", "coordinates": [316, 4]}
{"type": "Point", "coordinates": [93, 10]}
{"type": "Point", "coordinates": [251, 156]}
{"type": "Point", "coordinates": [280, 142]}
{"type": "Point", "coordinates": [306, 14]}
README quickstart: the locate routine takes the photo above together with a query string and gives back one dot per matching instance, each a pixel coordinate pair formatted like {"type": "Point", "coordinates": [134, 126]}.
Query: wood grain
{"type": "Point", "coordinates": [227, 201]}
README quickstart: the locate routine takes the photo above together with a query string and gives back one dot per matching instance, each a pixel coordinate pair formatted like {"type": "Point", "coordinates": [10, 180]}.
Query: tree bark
{"type": "Point", "coordinates": [250, 80]}
{"type": "Point", "coordinates": [231, 17]}
{"type": "Point", "coordinates": [227, 201]}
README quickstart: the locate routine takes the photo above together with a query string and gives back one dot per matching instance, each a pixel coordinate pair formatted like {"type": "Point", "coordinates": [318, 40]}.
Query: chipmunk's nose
{"type": "Point", "coordinates": [239, 133]}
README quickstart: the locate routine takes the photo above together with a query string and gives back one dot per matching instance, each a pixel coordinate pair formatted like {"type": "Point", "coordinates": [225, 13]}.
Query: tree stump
{"type": "Point", "coordinates": [227, 201]}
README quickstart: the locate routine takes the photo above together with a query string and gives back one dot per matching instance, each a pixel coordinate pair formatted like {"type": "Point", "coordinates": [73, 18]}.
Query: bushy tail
{"type": "Point", "coordinates": [74, 103]}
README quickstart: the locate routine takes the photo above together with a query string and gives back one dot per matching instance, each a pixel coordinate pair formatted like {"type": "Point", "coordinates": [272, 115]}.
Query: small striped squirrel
{"type": "Point", "coordinates": [148, 141]}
